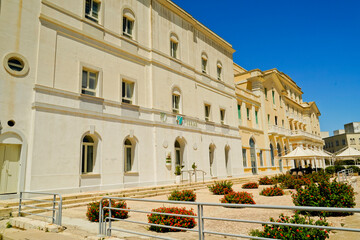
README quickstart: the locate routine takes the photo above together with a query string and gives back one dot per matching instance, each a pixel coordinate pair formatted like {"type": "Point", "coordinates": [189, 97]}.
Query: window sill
{"type": "Point", "coordinates": [131, 174]}
{"type": "Point", "coordinates": [90, 175]}
{"type": "Point", "coordinates": [175, 59]}
{"type": "Point", "coordinates": [89, 97]}
{"type": "Point", "coordinates": [93, 23]}
{"type": "Point", "coordinates": [129, 106]}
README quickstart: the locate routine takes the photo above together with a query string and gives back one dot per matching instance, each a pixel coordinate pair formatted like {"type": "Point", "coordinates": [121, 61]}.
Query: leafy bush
{"type": "Point", "coordinates": [184, 195]}
{"type": "Point", "coordinates": [174, 221]}
{"type": "Point", "coordinates": [344, 162]}
{"type": "Point", "coordinates": [354, 168]}
{"type": "Point", "coordinates": [238, 197]}
{"type": "Point", "coordinates": [293, 182]}
{"type": "Point", "coordinates": [290, 232]}
{"type": "Point", "coordinates": [250, 185]}
{"type": "Point", "coordinates": [93, 210]}
{"type": "Point", "coordinates": [338, 168]}
{"type": "Point", "coordinates": [318, 176]}
{"type": "Point", "coordinates": [279, 178]}
{"type": "Point", "coordinates": [330, 170]}
{"type": "Point", "coordinates": [221, 187]}
{"type": "Point", "coordinates": [266, 181]}
{"type": "Point", "coordinates": [325, 194]}
{"type": "Point", "coordinates": [272, 191]}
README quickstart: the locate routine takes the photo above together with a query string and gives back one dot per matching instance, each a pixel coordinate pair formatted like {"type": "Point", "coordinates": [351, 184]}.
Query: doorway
{"type": "Point", "coordinates": [253, 156]}
{"type": "Point", "coordinates": [9, 168]}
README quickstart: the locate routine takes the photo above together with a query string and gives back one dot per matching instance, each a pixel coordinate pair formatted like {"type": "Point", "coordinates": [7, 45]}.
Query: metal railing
{"type": "Point", "coordinates": [106, 227]}
{"type": "Point", "coordinates": [193, 173]}
{"type": "Point", "coordinates": [56, 206]}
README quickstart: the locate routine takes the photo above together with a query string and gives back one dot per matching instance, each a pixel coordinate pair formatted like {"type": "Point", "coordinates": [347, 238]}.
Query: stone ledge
{"type": "Point", "coordinates": [28, 223]}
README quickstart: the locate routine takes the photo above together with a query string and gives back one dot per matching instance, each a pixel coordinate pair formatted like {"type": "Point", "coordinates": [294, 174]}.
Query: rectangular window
{"type": "Point", "coordinates": [268, 118]}
{"type": "Point", "coordinates": [261, 158]}
{"type": "Point", "coordinates": [275, 120]}
{"type": "Point", "coordinates": [127, 27]}
{"type": "Point", "coordinates": [244, 157]}
{"type": "Point", "coordinates": [239, 111]}
{"type": "Point", "coordinates": [207, 112]}
{"type": "Point", "coordinates": [343, 142]}
{"type": "Point", "coordinates": [280, 101]}
{"type": "Point", "coordinates": [273, 96]}
{"type": "Point", "coordinates": [256, 117]}
{"type": "Point", "coordinates": [283, 123]}
{"type": "Point", "coordinates": [173, 49]}
{"type": "Point", "coordinates": [89, 82]}
{"type": "Point", "coordinates": [337, 142]}
{"type": "Point", "coordinates": [265, 91]}
{"type": "Point", "coordinates": [176, 103]}
{"type": "Point", "coordinates": [92, 9]}
{"type": "Point", "coordinates": [127, 92]}
{"type": "Point", "coordinates": [203, 64]}
{"type": "Point", "coordinates": [248, 113]}
{"type": "Point", "coordinates": [222, 116]}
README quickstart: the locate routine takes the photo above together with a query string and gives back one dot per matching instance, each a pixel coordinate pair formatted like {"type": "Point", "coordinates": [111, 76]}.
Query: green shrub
{"type": "Point", "coordinates": [272, 191]}
{"type": "Point", "coordinates": [338, 168]}
{"type": "Point", "coordinates": [344, 162]}
{"type": "Point", "coordinates": [330, 170]}
{"type": "Point", "coordinates": [174, 221]}
{"type": "Point", "coordinates": [250, 185]}
{"type": "Point", "coordinates": [325, 194]}
{"type": "Point", "coordinates": [238, 197]}
{"type": "Point", "coordinates": [279, 178]}
{"type": "Point", "coordinates": [93, 210]}
{"type": "Point", "coordinates": [184, 195]}
{"type": "Point", "coordinates": [266, 181]}
{"type": "Point", "coordinates": [221, 187]}
{"type": "Point", "coordinates": [354, 168]}
{"type": "Point", "coordinates": [292, 182]}
{"type": "Point", "coordinates": [290, 232]}
{"type": "Point", "coordinates": [318, 176]}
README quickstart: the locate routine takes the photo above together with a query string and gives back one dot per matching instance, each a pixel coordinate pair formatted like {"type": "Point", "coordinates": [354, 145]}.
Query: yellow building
{"type": "Point", "coordinates": [273, 119]}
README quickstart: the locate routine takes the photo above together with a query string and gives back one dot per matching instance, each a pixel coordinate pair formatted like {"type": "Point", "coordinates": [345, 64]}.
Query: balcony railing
{"type": "Point", "coordinates": [274, 129]}
{"type": "Point", "coordinates": [306, 134]}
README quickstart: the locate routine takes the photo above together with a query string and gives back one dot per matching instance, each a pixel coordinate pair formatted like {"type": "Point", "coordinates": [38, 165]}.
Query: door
{"type": "Point", "coordinates": [253, 156]}
{"type": "Point", "coordinates": [9, 168]}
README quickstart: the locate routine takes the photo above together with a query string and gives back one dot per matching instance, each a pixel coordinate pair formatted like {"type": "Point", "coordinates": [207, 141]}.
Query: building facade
{"type": "Point", "coordinates": [109, 94]}
{"type": "Point", "coordinates": [347, 137]}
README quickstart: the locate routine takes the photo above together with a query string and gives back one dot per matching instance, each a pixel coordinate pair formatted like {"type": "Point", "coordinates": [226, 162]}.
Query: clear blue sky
{"type": "Point", "coordinates": [316, 43]}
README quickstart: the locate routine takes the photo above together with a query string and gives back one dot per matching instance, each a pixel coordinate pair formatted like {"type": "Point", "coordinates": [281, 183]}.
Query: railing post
{"type": "Point", "coordinates": [202, 237]}
{"type": "Point", "coordinates": [101, 218]}
{"type": "Point", "coordinates": [199, 221]}
{"type": "Point", "coordinates": [20, 202]}
{"type": "Point", "coordinates": [109, 230]}
{"type": "Point", "coordinates": [53, 211]}
{"type": "Point", "coordinates": [60, 210]}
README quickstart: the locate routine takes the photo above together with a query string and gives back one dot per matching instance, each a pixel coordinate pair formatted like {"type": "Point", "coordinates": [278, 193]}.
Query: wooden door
{"type": "Point", "coordinates": [9, 168]}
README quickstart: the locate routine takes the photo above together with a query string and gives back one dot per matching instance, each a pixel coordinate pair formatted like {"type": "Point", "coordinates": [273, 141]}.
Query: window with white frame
{"type": "Point", "coordinates": [244, 157]}
{"type": "Point", "coordinates": [89, 82]}
{"type": "Point", "coordinates": [128, 23]}
{"type": "Point", "coordinates": [222, 116]}
{"type": "Point", "coordinates": [176, 103]}
{"type": "Point", "coordinates": [128, 155]}
{"type": "Point", "coordinates": [127, 92]}
{"type": "Point", "coordinates": [88, 155]}
{"type": "Point", "coordinates": [92, 10]}
{"type": "Point", "coordinates": [174, 45]}
{"type": "Point", "coordinates": [219, 71]}
{"type": "Point", "coordinates": [204, 63]}
{"type": "Point", "coordinates": [207, 112]}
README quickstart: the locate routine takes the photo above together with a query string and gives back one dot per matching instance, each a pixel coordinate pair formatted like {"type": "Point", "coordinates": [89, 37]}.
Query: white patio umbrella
{"type": "Point", "coordinates": [299, 153]}
{"type": "Point", "coordinates": [348, 153]}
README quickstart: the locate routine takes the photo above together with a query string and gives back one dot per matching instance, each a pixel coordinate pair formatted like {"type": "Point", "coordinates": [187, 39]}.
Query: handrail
{"type": "Point", "coordinates": [105, 230]}
{"type": "Point", "coordinates": [56, 212]}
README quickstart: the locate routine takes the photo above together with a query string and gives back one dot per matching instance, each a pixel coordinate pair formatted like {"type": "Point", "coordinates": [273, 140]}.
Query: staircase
{"type": "Point", "coordinates": [9, 208]}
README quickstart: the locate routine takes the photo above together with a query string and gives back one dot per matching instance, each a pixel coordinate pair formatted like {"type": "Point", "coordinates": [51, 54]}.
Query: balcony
{"type": "Point", "coordinates": [300, 133]}
{"type": "Point", "coordinates": [277, 130]}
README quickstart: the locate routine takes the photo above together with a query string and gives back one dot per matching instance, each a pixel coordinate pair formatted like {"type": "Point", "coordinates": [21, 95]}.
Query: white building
{"type": "Point", "coordinates": [96, 94]}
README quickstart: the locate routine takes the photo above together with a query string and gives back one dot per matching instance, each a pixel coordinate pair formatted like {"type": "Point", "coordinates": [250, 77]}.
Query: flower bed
{"type": "Point", "coordinates": [184, 195]}
{"type": "Point", "coordinates": [326, 194]}
{"type": "Point", "coordinates": [238, 197]}
{"type": "Point", "coordinates": [221, 187]}
{"type": "Point", "coordinates": [93, 210]}
{"type": "Point", "coordinates": [266, 181]}
{"type": "Point", "coordinates": [291, 232]}
{"type": "Point", "coordinates": [250, 185]}
{"type": "Point", "coordinates": [272, 191]}
{"type": "Point", "coordinates": [174, 221]}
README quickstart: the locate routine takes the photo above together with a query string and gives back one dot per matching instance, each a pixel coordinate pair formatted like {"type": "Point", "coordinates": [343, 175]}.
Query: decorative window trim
{"type": "Point", "coordinates": [21, 59]}
{"type": "Point", "coordinates": [126, 99]}
{"type": "Point", "coordinates": [124, 78]}
{"type": "Point", "coordinates": [129, 15]}
{"type": "Point", "coordinates": [174, 41]}
{"type": "Point", "coordinates": [222, 115]}
{"type": "Point", "coordinates": [90, 16]}
{"type": "Point", "coordinates": [219, 71]}
{"type": "Point", "coordinates": [208, 117]}
{"type": "Point", "coordinates": [91, 68]}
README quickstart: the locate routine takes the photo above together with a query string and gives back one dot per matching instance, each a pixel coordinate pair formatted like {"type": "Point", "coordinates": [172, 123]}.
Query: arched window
{"type": "Point", "coordinates": [176, 101]}
{"type": "Point", "coordinates": [211, 158]}
{"type": "Point", "coordinates": [272, 155]}
{"type": "Point", "coordinates": [278, 150]}
{"type": "Point", "coordinates": [128, 23]}
{"type": "Point", "coordinates": [178, 153]}
{"type": "Point", "coordinates": [252, 155]}
{"type": "Point", "coordinates": [219, 70]}
{"type": "Point", "coordinates": [88, 156]}
{"type": "Point", "coordinates": [204, 61]}
{"type": "Point", "coordinates": [227, 164]}
{"type": "Point", "coordinates": [174, 45]}
{"type": "Point", "coordinates": [129, 155]}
